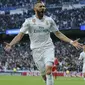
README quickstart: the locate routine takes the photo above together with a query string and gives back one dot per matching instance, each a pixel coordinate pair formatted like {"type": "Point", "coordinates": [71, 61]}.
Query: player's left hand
{"type": "Point", "coordinates": [76, 44]}
{"type": "Point", "coordinates": [8, 47]}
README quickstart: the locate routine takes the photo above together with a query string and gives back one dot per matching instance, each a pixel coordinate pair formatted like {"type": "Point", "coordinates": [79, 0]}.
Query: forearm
{"type": "Point", "coordinates": [16, 39]}
{"type": "Point", "coordinates": [61, 36]}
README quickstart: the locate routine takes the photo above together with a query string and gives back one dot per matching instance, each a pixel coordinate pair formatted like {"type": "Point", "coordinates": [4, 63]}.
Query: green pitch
{"type": "Point", "coordinates": [31, 80]}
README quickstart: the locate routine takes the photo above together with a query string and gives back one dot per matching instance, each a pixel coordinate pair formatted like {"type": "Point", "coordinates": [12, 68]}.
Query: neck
{"type": "Point", "coordinates": [39, 17]}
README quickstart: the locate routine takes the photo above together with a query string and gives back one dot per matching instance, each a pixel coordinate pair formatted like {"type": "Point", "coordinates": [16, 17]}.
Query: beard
{"type": "Point", "coordinates": [40, 13]}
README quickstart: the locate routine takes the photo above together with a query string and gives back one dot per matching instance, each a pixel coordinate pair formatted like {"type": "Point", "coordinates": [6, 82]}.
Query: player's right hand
{"type": "Point", "coordinates": [8, 47]}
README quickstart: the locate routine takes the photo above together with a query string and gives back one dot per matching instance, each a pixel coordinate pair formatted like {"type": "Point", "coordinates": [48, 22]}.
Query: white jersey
{"type": "Point", "coordinates": [39, 31]}
{"type": "Point", "coordinates": [82, 57]}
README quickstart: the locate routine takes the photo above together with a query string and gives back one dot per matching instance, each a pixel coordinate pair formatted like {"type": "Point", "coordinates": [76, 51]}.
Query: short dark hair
{"type": "Point", "coordinates": [38, 1]}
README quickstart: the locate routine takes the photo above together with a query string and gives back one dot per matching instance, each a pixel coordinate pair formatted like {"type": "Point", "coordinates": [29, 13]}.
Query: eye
{"type": "Point", "coordinates": [41, 6]}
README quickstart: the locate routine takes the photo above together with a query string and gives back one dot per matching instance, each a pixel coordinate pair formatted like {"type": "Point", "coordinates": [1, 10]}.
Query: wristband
{"type": "Point", "coordinates": [71, 41]}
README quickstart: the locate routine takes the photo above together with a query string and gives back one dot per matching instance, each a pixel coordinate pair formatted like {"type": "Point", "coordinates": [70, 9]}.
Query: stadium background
{"type": "Point", "coordinates": [68, 14]}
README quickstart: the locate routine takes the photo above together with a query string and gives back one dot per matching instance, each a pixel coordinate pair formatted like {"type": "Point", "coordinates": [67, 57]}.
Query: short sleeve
{"type": "Point", "coordinates": [53, 27]}
{"type": "Point", "coordinates": [25, 26]}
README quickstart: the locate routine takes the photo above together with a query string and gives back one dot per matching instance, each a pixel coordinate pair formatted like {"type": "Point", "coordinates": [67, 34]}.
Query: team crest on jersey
{"type": "Point", "coordinates": [33, 20]}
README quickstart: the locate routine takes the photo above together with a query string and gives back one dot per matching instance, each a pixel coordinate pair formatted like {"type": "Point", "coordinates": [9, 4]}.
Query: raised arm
{"type": "Point", "coordinates": [14, 41]}
{"type": "Point", "coordinates": [23, 30]}
{"type": "Point", "coordinates": [61, 36]}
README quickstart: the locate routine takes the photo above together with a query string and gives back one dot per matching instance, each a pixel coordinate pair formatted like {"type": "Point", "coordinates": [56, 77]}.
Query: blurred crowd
{"type": "Point", "coordinates": [15, 3]}
{"type": "Point", "coordinates": [23, 3]}
{"type": "Point", "coordinates": [68, 57]}
{"type": "Point", "coordinates": [20, 57]}
{"type": "Point", "coordinates": [14, 21]}
{"type": "Point", "coordinates": [66, 19]}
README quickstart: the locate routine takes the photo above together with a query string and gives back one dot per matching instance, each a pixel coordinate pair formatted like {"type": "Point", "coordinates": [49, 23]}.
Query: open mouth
{"type": "Point", "coordinates": [42, 11]}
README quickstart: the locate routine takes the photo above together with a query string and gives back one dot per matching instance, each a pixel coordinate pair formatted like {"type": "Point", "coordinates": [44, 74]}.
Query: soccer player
{"type": "Point", "coordinates": [54, 67]}
{"type": "Point", "coordinates": [82, 57]}
{"type": "Point", "coordinates": [39, 28]}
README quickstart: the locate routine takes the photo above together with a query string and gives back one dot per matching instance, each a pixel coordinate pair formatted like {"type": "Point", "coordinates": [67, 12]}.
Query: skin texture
{"type": "Point", "coordinates": [39, 9]}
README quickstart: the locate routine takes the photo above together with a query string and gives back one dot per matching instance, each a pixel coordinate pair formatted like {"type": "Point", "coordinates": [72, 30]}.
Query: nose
{"type": "Point", "coordinates": [43, 8]}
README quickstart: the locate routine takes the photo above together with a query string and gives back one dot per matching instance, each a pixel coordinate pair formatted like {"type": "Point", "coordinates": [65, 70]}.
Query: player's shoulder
{"type": "Point", "coordinates": [82, 53]}
{"type": "Point", "coordinates": [48, 18]}
{"type": "Point", "coordinates": [28, 20]}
